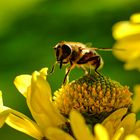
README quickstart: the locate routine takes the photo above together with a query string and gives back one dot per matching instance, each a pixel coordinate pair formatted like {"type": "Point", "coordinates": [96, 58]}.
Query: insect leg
{"type": "Point", "coordinates": [97, 72]}
{"type": "Point", "coordinates": [61, 62]}
{"type": "Point", "coordinates": [85, 70]}
{"type": "Point", "coordinates": [67, 72]}
{"type": "Point", "coordinates": [96, 62]}
{"type": "Point", "coordinates": [66, 78]}
{"type": "Point", "coordinates": [53, 68]}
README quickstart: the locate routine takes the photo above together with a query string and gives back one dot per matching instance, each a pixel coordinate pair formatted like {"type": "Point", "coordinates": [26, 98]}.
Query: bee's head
{"type": "Point", "coordinates": [63, 51]}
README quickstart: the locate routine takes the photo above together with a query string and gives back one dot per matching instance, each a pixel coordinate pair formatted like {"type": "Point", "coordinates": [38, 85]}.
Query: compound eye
{"type": "Point", "coordinates": [66, 50]}
{"type": "Point", "coordinates": [57, 50]}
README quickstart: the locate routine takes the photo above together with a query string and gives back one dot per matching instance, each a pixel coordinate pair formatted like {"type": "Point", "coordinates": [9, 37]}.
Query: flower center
{"type": "Point", "coordinates": [92, 95]}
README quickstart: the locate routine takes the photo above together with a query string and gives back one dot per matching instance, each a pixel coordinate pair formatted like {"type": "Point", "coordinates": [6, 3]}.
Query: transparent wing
{"type": "Point", "coordinates": [107, 49]}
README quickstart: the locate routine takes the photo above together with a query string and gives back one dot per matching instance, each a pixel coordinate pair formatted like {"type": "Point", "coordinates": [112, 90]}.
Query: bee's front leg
{"type": "Point", "coordinates": [53, 68]}
{"type": "Point", "coordinates": [66, 78]}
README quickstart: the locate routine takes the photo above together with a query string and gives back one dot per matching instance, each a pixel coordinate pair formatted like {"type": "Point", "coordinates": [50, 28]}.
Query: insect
{"type": "Point", "coordinates": [77, 54]}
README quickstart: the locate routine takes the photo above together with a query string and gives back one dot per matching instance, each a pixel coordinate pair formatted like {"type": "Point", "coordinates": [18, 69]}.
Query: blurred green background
{"type": "Point", "coordinates": [30, 28]}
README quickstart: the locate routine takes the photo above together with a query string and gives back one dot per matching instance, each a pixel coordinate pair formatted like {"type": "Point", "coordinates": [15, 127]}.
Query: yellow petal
{"type": "Point", "coordinates": [22, 83]}
{"type": "Point", "coordinates": [79, 127]}
{"type": "Point", "coordinates": [137, 129]}
{"type": "Point", "coordinates": [101, 132]}
{"type": "Point", "coordinates": [136, 99]}
{"type": "Point", "coordinates": [125, 28]}
{"type": "Point", "coordinates": [112, 122]}
{"type": "Point", "coordinates": [135, 18]}
{"type": "Point", "coordinates": [118, 134]}
{"type": "Point", "coordinates": [1, 100]}
{"type": "Point", "coordinates": [116, 116]}
{"type": "Point", "coordinates": [131, 137]}
{"type": "Point", "coordinates": [109, 125]}
{"type": "Point", "coordinates": [40, 104]}
{"type": "Point", "coordinates": [137, 132]}
{"type": "Point", "coordinates": [129, 46]}
{"type": "Point", "coordinates": [128, 123]}
{"type": "Point", "coordinates": [137, 124]}
{"type": "Point", "coordinates": [53, 133]}
{"type": "Point", "coordinates": [133, 64]}
{"type": "Point", "coordinates": [2, 107]}
{"type": "Point", "coordinates": [43, 72]}
{"type": "Point", "coordinates": [20, 122]}
{"type": "Point", "coordinates": [3, 116]}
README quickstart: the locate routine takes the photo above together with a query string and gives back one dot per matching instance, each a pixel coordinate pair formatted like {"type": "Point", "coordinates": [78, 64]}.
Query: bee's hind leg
{"type": "Point", "coordinates": [91, 76]}
{"type": "Point", "coordinates": [88, 73]}
{"type": "Point", "coordinates": [99, 74]}
{"type": "Point", "coordinates": [85, 70]}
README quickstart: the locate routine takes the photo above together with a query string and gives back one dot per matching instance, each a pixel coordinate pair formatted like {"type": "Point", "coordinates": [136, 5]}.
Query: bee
{"type": "Point", "coordinates": [77, 54]}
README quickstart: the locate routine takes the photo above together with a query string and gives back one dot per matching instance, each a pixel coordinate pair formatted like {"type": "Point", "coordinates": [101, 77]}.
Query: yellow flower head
{"type": "Point", "coordinates": [127, 34]}
{"type": "Point", "coordinates": [92, 95]}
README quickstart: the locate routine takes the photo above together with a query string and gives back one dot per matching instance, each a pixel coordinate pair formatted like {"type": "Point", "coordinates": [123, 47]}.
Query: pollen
{"type": "Point", "coordinates": [92, 95]}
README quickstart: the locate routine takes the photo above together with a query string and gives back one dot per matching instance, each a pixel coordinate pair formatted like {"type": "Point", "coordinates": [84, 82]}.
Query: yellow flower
{"type": "Point", "coordinates": [136, 99]}
{"type": "Point", "coordinates": [127, 34]}
{"type": "Point", "coordinates": [37, 92]}
{"type": "Point", "coordinates": [50, 124]}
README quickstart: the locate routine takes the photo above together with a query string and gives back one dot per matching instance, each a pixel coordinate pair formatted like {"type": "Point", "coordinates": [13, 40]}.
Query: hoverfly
{"type": "Point", "coordinates": [77, 54]}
